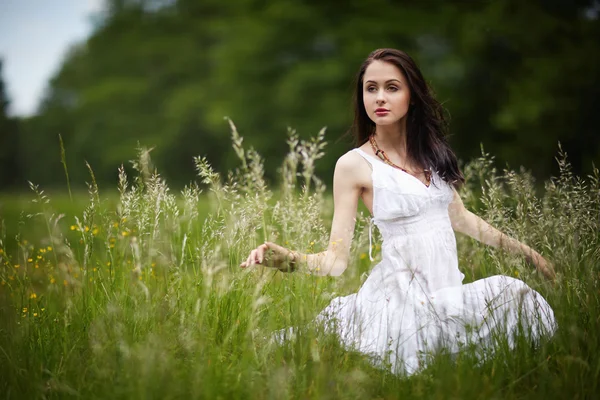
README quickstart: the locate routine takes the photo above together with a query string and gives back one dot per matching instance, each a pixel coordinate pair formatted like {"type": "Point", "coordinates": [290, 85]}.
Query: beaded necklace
{"type": "Point", "coordinates": [381, 154]}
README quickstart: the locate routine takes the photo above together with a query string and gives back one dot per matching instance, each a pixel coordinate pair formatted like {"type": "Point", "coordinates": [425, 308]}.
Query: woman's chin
{"type": "Point", "coordinates": [379, 121]}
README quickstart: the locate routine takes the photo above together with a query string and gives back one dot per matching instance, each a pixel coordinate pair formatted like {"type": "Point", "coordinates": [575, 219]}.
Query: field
{"type": "Point", "coordinates": [136, 293]}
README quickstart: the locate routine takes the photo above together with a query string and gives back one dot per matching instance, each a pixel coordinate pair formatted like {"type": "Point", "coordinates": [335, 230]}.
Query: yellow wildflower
{"type": "Point", "coordinates": [39, 257]}
{"type": "Point", "coordinates": [24, 309]}
{"type": "Point", "coordinates": [94, 269]}
{"type": "Point", "coordinates": [87, 228]}
{"type": "Point", "coordinates": [37, 266]}
{"type": "Point", "coordinates": [17, 266]}
{"type": "Point", "coordinates": [52, 280]}
{"type": "Point", "coordinates": [73, 227]}
{"type": "Point", "coordinates": [95, 231]}
{"type": "Point", "coordinates": [363, 256]}
{"type": "Point", "coordinates": [124, 233]}
{"type": "Point", "coordinates": [49, 248]}
{"type": "Point", "coordinates": [35, 314]}
{"type": "Point", "coordinates": [42, 251]}
{"type": "Point", "coordinates": [116, 225]}
{"type": "Point", "coordinates": [30, 259]}
{"type": "Point", "coordinates": [33, 296]}
{"type": "Point", "coordinates": [108, 263]}
{"type": "Point", "coordinates": [65, 283]}
{"type": "Point", "coordinates": [1, 251]}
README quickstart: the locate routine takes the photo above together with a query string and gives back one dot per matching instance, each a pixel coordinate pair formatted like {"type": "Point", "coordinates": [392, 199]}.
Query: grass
{"type": "Point", "coordinates": [137, 294]}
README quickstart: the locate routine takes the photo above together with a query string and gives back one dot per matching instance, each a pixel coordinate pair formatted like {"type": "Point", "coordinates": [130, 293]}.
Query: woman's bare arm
{"type": "Point", "coordinates": [346, 192]}
{"type": "Point", "coordinates": [334, 260]}
{"type": "Point", "coordinates": [466, 222]}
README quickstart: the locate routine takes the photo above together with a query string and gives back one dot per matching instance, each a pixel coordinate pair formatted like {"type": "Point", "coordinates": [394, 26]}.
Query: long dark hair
{"type": "Point", "coordinates": [426, 125]}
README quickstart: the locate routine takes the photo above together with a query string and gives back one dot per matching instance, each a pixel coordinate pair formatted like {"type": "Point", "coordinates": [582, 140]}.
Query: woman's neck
{"type": "Point", "coordinates": [392, 140]}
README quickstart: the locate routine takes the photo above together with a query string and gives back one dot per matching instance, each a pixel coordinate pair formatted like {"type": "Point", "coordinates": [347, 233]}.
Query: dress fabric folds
{"type": "Point", "coordinates": [413, 301]}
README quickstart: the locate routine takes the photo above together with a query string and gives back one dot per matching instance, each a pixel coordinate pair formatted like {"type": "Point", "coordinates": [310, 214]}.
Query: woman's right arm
{"type": "Point", "coordinates": [334, 260]}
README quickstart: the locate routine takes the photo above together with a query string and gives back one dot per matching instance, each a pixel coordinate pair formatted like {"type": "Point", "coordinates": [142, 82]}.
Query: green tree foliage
{"type": "Point", "coordinates": [9, 171]}
{"type": "Point", "coordinates": [533, 79]}
{"type": "Point", "coordinates": [516, 77]}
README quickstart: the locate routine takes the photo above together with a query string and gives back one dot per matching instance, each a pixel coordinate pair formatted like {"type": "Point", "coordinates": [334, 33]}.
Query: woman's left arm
{"type": "Point", "coordinates": [466, 222]}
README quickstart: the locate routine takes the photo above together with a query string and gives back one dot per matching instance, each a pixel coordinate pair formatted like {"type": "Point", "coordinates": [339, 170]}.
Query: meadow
{"type": "Point", "coordinates": [136, 293]}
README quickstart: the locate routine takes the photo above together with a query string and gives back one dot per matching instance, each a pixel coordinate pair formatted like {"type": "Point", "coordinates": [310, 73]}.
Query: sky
{"type": "Point", "coordinates": [35, 35]}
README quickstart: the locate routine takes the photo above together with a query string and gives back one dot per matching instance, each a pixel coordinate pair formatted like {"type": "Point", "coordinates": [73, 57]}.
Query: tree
{"type": "Point", "coordinates": [9, 144]}
{"type": "Point", "coordinates": [165, 73]}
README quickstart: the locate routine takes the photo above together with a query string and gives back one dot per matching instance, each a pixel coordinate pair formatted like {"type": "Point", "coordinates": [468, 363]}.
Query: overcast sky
{"type": "Point", "coordinates": [34, 37]}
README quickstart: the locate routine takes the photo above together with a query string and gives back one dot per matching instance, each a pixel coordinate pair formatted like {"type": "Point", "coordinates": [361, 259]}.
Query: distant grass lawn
{"type": "Point", "coordinates": [20, 212]}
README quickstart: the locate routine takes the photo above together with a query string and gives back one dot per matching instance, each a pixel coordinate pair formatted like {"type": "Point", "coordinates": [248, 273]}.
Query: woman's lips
{"type": "Point", "coordinates": [381, 112]}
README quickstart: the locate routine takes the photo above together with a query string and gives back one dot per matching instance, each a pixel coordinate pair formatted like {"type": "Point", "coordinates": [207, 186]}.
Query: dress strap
{"type": "Point", "coordinates": [365, 156]}
{"type": "Point", "coordinates": [371, 239]}
{"type": "Point", "coordinates": [370, 161]}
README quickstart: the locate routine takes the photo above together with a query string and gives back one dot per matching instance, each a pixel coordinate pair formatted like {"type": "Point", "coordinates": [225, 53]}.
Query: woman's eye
{"type": "Point", "coordinates": [371, 89]}
{"type": "Point", "coordinates": [393, 88]}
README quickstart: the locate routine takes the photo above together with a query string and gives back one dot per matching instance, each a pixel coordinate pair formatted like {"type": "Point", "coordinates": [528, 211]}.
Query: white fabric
{"type": "Point", "coordinates": [413, 301]}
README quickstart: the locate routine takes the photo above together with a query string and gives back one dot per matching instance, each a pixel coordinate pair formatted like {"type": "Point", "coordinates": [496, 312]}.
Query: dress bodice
{"type": "Point", "coordinates": [403, 205]}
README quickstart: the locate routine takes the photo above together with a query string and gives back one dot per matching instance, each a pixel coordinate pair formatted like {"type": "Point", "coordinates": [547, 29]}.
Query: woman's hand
{"type": "Point", "coordinates": [274, 256]}
{"type": "Point", "coordinates": [542, 265]}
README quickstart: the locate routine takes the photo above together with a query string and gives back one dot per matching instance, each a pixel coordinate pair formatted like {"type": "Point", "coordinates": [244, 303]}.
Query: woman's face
{"type": "Point", "coordinates": [386, 96]}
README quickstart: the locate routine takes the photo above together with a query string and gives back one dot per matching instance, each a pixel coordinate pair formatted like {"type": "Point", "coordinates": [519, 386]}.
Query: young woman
{"type": "Point", "coordinates": [406, 174]}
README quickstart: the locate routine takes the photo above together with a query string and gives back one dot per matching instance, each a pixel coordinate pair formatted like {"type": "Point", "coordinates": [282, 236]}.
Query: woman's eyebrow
{"type": "Point", "coordinates": [389, 80]}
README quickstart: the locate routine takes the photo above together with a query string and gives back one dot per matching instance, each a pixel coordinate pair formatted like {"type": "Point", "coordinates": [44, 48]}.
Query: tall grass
{"type": "Point", "coordinates": [146, 300]}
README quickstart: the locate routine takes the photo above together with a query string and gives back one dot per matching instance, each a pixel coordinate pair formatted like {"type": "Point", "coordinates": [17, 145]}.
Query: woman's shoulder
{"type": "Point", "coordinates": [349, 160]}
{"type": "Point", "coordinates": [351, 165]}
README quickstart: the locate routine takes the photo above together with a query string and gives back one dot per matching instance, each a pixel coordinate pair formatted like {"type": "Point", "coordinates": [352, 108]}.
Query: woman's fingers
{"type": "Point", "coordinates": [250, 259]}
{"type": "Point", "coordinates": [260, 253]}
{"type": "Point", "coordinates": [247, 262]}
{"type": "Point", "coordinates": [546, 267]}
{"type": "Point", "coordinates": [257, 256]}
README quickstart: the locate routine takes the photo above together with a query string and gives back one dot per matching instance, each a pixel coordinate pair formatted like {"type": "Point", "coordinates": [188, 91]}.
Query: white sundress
{"type": "Point", "coordinates": [413, 301]}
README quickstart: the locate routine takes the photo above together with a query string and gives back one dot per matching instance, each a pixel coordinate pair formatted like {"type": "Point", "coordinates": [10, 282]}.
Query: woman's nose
{"type": "Point", "coordinates": [380, 96]}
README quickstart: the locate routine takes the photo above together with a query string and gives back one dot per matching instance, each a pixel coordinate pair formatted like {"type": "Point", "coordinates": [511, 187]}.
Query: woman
{"type": "Point", "coordinates": [404, 171]}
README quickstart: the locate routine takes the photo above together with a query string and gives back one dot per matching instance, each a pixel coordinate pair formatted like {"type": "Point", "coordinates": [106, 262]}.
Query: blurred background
{"type": "Point", "coordinates": [516, 77]}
